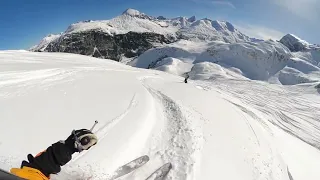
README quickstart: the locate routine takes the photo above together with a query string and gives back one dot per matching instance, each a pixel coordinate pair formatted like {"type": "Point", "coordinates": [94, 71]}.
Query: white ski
{"type": "Point", "coordinates": [129, 167]}
{"type": "Point", "coordinates": [161, 173]}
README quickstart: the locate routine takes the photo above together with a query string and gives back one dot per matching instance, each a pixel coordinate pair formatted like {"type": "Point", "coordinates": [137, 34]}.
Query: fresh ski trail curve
{"type": "Point", "coordinates": [103, 130]}
{"type": "Point", "coordinates": [181, 139]}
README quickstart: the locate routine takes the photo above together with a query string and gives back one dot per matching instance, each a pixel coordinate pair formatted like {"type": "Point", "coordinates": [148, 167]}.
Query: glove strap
{"type": "Point", "coordinates": [77, 142]}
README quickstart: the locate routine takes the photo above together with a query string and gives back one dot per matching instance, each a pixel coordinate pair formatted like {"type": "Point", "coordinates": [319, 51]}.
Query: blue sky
{"type": "Point", "coordinates": [24, 23]}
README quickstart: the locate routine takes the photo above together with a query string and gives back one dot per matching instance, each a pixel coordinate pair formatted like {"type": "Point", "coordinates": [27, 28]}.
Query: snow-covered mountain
{"type": "Point", "coordinates": [304, 66]}
{"type": "Point", "coordinates": [130, 21]}
{"type": "Point", "coordinates": [175, 45]}
{"type": "Point", "coordinates": [249, 60]}
{"type": "Point", "coordinates": [258, 61]}
{"type": "Point", "coordinates": [83, 37]}
{"type": "Point", "coordinates": [188, 28]}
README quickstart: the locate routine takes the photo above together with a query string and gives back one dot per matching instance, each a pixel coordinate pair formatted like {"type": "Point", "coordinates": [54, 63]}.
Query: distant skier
{"type": "Point", "coordinates": [49, 161]}
{"type": "Point", "coordinates": [186, 79]}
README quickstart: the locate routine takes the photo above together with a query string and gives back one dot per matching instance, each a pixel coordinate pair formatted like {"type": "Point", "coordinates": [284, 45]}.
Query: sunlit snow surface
{"type": "Point", "coordinates": [224, 127]}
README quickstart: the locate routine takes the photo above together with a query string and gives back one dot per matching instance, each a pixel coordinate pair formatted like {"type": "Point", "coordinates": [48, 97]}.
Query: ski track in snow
{"type": "Point", "coordinates": [286, 113]}
{"type": "Point", "coordinates": [182, 138]}
{"type": "Point", "coordinates": [102, 132]}
{"type": "Point", "coordinates": [247, 121]}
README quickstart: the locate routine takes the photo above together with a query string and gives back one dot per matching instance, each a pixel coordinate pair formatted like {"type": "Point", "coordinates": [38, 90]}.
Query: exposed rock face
{"type": "Point", "coordinates": [192, 19]}
{"type": "Point", "coordinates": [102, 45]}
{"type": "Point", "coordinates": [161, 18]}
{"type": "Point", "coordinates": [294, 43]}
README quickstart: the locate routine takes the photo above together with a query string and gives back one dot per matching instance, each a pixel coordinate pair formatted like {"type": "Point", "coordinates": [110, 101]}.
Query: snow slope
{"type": "Point", "coordinates": [268, 61]}
{"type": "Point", "coordinates": [173, 66]}
{"type": "Point", "coordinates": [223, 129]}
{"type": "Point", "coordinates": [206, 29]}
{"type": "Point", "coordinates": [312, 56]}
{"type": "Point", "coordinates": [253, 60]}
{"type": "Point", "coordinates": [304, 65]}
{"type": "Point", "coordinates": [259, 60]}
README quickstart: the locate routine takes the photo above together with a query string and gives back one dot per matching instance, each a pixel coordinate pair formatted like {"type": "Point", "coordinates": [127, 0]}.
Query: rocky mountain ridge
{"type": "Point", "coordinates": [295, 44]}
{"type": "Point", "coordinates": [82, 37]}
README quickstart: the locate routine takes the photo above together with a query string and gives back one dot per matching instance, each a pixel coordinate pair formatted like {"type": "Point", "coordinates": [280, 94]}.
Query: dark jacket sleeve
{"type": "Point", "coordinates": [49, 161]}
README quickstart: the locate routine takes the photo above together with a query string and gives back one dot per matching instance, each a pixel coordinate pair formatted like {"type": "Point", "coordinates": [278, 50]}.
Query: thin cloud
{"type": "Point", "coordinates": [260, 32]}
{"type": "Point", "coordinates": [307, 9]}
{"type": "Point", "coordinates": [217, 3]}
{"type": "Point", "coordinates": [224, 3]}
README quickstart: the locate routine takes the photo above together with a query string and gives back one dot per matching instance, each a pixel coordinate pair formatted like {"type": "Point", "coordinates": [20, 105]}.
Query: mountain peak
{"type": "Point", "coordinates": [294, 43]}
{"type": "Point", "coordinates": [45, 41]}
{"type": "Point", "coordinates": [132, 12]}
{"type": "Point", "coordinates": [192, 19]}
{"type": "Point", "coordinates": [136, 13]}
{"type": "Point", "coordinates": [161, 18]}
{"type": "Point", "coordinates": [297, 38]}
{"type": "Point", "coordinates": [217, 25]}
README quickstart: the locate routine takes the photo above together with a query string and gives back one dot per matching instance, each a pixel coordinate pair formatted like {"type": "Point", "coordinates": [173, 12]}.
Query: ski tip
{"type": "Point", "coordinates": [167, 165]}
{"type": "Point", "coordinates": [161, 172]}
{"type": "Point", "coordinates": [131, 166]}
{"type": "Point", "coordinates": [144, 158]}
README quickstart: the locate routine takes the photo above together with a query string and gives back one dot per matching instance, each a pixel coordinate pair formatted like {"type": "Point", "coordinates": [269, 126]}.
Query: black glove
{"type": "Point", "coordinates": [60, 153]}
{"type": "Point", "coordinates": [80, 140]}
{"type": "Point", "coordinates": [29, 162]}
{"type": "Point", "coordinates": [49, 161]}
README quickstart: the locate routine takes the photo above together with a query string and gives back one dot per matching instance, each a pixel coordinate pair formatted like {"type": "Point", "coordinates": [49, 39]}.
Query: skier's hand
{"type": "Point", "coordinates": [80, 140]}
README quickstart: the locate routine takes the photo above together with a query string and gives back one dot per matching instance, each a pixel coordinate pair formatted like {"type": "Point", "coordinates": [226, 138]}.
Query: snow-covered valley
{"type": "Point", "coordinates": [226, 127]}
